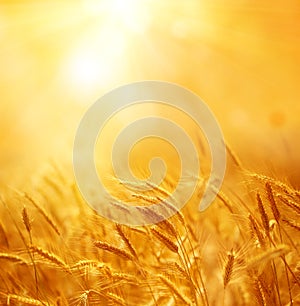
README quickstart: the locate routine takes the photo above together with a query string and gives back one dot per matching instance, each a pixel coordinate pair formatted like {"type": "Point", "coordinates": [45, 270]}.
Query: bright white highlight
{"type": "Point", "coordinates": [95, 65]}
{"type": "Point", "coordinates": [130, 13]}
{"type": "Point", "coordinates": [84, 69]}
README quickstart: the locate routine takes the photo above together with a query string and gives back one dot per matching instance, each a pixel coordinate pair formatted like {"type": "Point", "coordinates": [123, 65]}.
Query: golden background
{"type": "Point", "coordinates": [241, 57]}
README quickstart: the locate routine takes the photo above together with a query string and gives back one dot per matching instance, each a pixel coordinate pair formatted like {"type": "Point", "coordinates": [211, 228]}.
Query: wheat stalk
{"type": "Point", "coordinates": [26, 220]}
{"type": "Point", "coordinates": [51, 257]}
{"type": "Point", "coordinates": [23, 300]}
{"type": "Point", "coordinates": [259, 293]}
{"type": "Point", "coordinates": [4, 235]}
{"type": "Point", "coordinates": [228, 268]}
{"type": "Point", "coordinates": [255, 229]}
{"type": "Point", "coordinates": [267, 256]}
{"type": "Point", "coordinates": [263, 214]}
{"type": "Point", "coordinates": [13, 258]}
{"type": "Point", "coordinates": [165, 240]}
{"type": "Point", "coordinates": [175, 290]}
{"type": "Point", "coordinates": [44, 214]}
{"type": "Point", "coordinates": [290, 203]}
{"type": "Point", "coordinates": [272, 201]}
{"type": "Point", "coordinates": [126, 240]}
{"type": "Point", "coordinates": [292, 224]}
{"type": "Point", "coordinates": [116, 299]}
{"type": "Point", "coordinates": [112, 249]}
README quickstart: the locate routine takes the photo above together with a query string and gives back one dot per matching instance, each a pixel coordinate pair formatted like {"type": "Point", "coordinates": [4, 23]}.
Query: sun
{"type": "Point", "coordinates": [96, 58]}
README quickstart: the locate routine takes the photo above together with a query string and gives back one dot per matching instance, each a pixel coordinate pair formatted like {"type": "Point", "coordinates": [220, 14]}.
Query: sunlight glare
{"type": "Point", "coordinates": [87, 70]}
{"type": "Point", "coordinates": [84, 68]}
{"type": "Point", "coordinates": [132, 14]}
{"type": "Point", "coordinates": [95, 63]}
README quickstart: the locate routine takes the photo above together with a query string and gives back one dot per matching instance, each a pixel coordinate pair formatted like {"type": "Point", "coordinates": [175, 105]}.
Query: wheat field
{"type": "Point", "coordinates": [242, 58]}
{"type": "Point", "coordinates": [244, 250]}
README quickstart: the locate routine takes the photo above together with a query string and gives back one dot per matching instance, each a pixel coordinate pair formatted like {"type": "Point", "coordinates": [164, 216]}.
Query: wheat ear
{"type": "Point", "coordinates": [3, 234]}
{"type": "Point", "coordinates": [228, 268]}
{"type": "Point", "coordinates": [44, 214]}
{"type": "Point", "coordinates": [13, 258]}
{"type": "Point", "coordinates": [165, 240]}
{"type": "Point", "coordinates": [292, 224]}
{"type": "Point", "coordinates": [53, 258]}
{"type": "Point", "coordinates": [272, 201]}
{"type": "Point", "coordinates": [254, 227]}
{"type": "Point", "coordinates": [26, 220]}
{"type": "Point", "coordinates": [126, 240]}
{"type": "Point", "coordinates": [268, 255]}
{"type": "Point", "coordinates": [110, 248]}
{"type": "Point", "coordinates": [263, 214]}
{"type": "Point", "coordinates": [24, 300]}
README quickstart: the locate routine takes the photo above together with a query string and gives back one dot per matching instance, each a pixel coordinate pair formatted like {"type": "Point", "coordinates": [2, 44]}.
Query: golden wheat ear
{"type": "Point", "coordinates": [13, 258]}
{"type": "Point", "coordinates": [23, 300]}
{"type": "Point", "coordinates": [165, 240]}
{"type": "Point", "coordinates": [126, 240]}
{"type": "Point", "coordinates": [114, 250]}
{"type": "Point", "coordinates": [228, 268]}
{"type": "Point", "coordinates": [43, 213]}
{"type": "Point", "coordinates": [49, 256]}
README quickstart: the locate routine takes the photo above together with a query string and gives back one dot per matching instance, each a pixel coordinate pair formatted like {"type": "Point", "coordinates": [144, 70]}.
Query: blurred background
{"type": "Point", "coordinates": [58, 57]}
